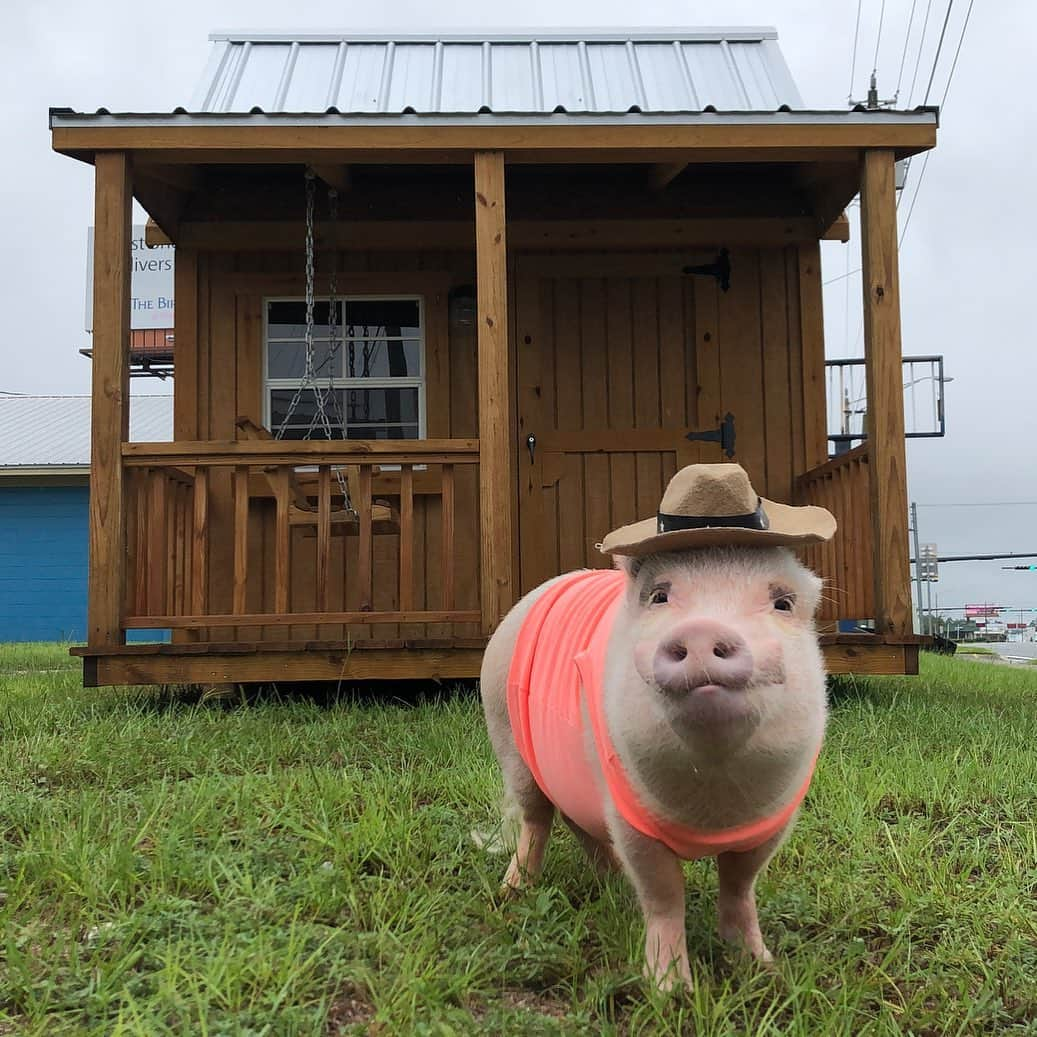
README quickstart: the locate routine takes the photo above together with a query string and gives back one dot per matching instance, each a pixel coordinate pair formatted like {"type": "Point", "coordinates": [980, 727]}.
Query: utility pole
{"type": "Point", "coordinates": [918, 565]}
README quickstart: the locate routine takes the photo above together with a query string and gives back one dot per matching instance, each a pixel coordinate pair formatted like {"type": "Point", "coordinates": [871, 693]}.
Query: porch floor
{"type": "Point", "coordinates": [245, 662]}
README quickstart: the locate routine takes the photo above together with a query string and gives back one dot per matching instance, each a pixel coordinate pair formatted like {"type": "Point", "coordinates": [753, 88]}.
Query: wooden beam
{"type": "Point", "coordinates": [283, 666]}
{"type": "Point", "coordinates": [164, 204]}
{"type": "Point", "coordinates": [109, 424]}
{"type": "Point", "coordinates": [260, 141]}
{"type": "Point", "coordinates": [183, 178]}
{"type": "Point", "coordinates": [396, 235]}
{"type": "Point", "coordinates": [335, 176]}
{"type": "Point", "coordinates": [495, 482]}
{"type": "Point", "coordinates": [661, 176]}
{"type": "Point", "coordinates": [885, 418]}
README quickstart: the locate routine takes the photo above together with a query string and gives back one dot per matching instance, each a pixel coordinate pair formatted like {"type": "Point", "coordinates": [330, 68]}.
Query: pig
{"type": "Point", "coordinates": [712, 707]}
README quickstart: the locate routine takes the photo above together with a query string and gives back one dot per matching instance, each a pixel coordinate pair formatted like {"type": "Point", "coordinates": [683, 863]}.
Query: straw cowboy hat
{"type": "Point", "coordinates": [712, 505]}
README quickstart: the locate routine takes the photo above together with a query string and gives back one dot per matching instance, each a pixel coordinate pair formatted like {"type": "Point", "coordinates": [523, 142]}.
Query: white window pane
{"type": "Point", "coordinates": [377, 358]}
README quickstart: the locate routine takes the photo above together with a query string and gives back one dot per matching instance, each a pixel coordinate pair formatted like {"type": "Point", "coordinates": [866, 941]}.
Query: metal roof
{"type": "Point", "coordinates": [54, 431]}
{"type": "Point", "coordinates": [529, 73]}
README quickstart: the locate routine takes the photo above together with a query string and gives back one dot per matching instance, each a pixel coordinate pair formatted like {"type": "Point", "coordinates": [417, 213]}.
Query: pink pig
{"type": "Point", "coordinates": [671, 709]}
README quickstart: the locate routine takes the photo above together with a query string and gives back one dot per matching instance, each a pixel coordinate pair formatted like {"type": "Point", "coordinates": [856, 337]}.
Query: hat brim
{"type": "Point", "coordinates": [788, 527]}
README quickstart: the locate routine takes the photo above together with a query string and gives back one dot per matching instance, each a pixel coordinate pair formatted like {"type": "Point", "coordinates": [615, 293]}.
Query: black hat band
{"type": "Point", "coordinates": [754, 520]}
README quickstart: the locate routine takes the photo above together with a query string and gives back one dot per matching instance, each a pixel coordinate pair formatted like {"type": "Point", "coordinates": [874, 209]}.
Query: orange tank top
{"type": "Point", "coordinates": [559, 662]}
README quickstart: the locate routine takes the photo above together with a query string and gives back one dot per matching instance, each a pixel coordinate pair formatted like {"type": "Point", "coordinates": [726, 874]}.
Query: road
{"type": "Point", "coordinates": [1027, 649]}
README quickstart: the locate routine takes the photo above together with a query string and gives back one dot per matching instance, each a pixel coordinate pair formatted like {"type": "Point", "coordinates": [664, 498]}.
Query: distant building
{"type": "Point", "coordinates": [44, 505]}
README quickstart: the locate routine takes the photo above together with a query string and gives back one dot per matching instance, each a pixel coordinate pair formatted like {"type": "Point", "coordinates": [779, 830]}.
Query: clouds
{"type": "Point", "coordinates": [967, 266]}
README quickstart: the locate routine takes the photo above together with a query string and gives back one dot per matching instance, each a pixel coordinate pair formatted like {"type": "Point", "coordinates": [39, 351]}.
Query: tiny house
{"type": "Point", "coordinates": [448, 309]}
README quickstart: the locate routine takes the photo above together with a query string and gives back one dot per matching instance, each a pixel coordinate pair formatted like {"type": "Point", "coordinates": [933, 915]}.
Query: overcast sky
{"type": "Point", "coordinates": [967, 265]}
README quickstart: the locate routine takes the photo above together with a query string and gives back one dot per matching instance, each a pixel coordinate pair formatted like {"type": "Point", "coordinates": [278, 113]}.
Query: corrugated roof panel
{"type": "Point", "coordinates": [612, 79]}
{"type": "Point", "coordinates": [462, 85]}
{"type": "Point", "coordinates": [664, 78]}
{"type": "Point", "coordinates": [361, 77]}
{"type": "Point", "coordinates": [410, 84]}
{"type": "Point", "coordinates": [514, 86]}
{"type": "Point", "coordinates": [752, 72]}
{"type": "Point", "coordinates": [712, 75]}
{"type": "Point", "coordinates": [562, 78]}
{"type": "Point", "coordinates": [260, 78]}
{"type": "Point", "coordinates": [37, 431]}
{"type": "Point", "coordinates": [606, 72]}
{"type": "Point", "coordinates": [311, 80]}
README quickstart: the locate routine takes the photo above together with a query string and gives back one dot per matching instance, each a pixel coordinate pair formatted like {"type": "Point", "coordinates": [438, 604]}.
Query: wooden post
{"type": "Point", "coordinates": [888, 460]}
{"type": "Point", "coordinates": [110, 395]}
{"type": "Point", "coordinates": [495, 477]}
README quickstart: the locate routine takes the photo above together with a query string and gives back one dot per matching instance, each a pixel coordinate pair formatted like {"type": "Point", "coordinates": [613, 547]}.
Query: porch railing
{"type": "Point", "coordinates": [842, 485]}
{"type": "Point", "coordinates": [279, 534]}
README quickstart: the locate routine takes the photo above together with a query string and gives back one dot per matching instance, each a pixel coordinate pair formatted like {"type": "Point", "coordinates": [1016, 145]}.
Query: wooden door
{"type": "Point", "coordinates": [617, 362]}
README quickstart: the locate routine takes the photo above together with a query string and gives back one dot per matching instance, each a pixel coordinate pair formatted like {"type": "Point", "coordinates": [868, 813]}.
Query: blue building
{"type": "Point", "coordinates": [44, 500]}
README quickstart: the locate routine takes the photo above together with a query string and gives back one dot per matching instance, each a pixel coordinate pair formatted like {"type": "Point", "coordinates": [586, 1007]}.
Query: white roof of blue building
{"type": "Point", "coordinates": [41, 432]}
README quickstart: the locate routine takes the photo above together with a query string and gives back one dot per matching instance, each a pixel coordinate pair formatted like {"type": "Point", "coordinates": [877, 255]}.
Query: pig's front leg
{"type": "Point", "coordinates": [737, 920]}
{"type": "Point", "coordinates": [658, 879]}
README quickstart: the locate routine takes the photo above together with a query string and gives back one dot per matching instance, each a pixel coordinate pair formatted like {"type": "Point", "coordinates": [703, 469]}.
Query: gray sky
{"type": "Point", "coordinates": [967, 266]}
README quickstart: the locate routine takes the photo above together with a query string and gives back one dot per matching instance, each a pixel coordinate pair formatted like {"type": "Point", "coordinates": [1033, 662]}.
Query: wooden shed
{"type": "Point", "coordinates": [548, 270]}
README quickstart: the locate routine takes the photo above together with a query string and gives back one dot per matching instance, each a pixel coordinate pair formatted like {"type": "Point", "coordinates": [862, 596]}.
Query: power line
{"type": "Point", "coordinates": [921, 48]}
{"type": "Point", "coordinates": [907, 41]}
{"type": "Point", "coordinates": [853, 60]}
{"type": "Point", "coordinates": [983, 504]}
{"type": "Point", "coordinates": [939, 47]}
{"type": "Point", "coordinates": [878, 37]}
{"type": "Point", "coordinates": [954, 63]}
{"type": "Point", "coordinates": [946, 90]}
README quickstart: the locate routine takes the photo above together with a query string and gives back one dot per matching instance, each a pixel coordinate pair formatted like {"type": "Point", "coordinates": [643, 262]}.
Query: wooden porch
{"type": "Point", "coordinates": [202, 536]}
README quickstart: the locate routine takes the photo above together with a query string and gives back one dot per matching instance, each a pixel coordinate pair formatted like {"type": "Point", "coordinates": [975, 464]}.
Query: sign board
{"type": "Point", "coordinates": [151, 282]}
{"type": "Point", "coordinates": [975, 611]}
{"type": "Point", "coordinates": [927, 563]}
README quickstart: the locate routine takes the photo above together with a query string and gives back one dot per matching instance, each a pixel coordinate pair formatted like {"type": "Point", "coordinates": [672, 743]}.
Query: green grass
{"type": "Point", "coordinates": [964, 648]}
{"type": "Point", "coordinates": [299, 866]}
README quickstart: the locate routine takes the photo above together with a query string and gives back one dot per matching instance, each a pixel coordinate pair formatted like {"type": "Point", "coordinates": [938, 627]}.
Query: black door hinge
{"type": "Point", "coordinates": [724, 434]}
{"type": "Point", "coordinates": [720, 268]}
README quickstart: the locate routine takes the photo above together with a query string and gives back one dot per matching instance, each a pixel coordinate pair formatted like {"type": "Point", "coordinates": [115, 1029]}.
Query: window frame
{"type": "Point", "coordinates": [344, 382]}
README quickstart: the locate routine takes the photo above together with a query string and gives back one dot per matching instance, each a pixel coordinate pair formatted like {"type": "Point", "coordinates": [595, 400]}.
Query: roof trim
{"type": "Point", "coordinates": [66, 117]}
{"type": "Point", "coordinates": [619, 34]}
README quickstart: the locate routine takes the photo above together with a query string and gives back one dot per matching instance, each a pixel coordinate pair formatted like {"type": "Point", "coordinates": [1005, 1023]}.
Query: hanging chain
{"type": "Point", "coordinates": [309, 377]}
{"type": "Point", "coordinates": [308, 371]}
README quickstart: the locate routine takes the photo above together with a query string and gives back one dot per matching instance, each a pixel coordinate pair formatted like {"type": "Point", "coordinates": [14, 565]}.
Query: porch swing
{"type": "Point", "coordinates": [303, 486]}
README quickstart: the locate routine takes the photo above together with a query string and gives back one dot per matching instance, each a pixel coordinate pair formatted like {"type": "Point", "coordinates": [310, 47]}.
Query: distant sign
{"type": "Point", "coordinates": [928, 561]}
{"type": "Point", "coordinates": [975, 611]}
{"type": "Point", "coordinates": [151, 282]}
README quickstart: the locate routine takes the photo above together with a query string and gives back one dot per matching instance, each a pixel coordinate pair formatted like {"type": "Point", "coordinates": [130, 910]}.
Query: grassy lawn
{"type": "Point", "coordinates": [303, 866]}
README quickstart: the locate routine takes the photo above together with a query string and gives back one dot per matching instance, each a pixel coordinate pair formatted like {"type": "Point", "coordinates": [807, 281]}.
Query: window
{"type": "Point", "coordinates": [372, 378]}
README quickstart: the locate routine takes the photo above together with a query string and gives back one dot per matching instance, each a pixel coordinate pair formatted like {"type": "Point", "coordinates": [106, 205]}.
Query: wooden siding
{"type": "Point", "coordinates": [620, 356]}
{"type": "Point", "coordinates": [616, 356]}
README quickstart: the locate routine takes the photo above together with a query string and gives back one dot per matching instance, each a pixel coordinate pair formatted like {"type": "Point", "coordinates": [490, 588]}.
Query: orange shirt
{"type": "Point", "coordinates": [559, 657]}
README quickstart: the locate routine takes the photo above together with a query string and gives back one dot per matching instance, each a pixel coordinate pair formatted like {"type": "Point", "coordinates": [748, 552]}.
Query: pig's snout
{"type": "Point", "coordinates": [702, 652]}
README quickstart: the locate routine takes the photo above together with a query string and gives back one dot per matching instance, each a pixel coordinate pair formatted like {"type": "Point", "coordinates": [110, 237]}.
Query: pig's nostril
{"type": "Point", "coordinates": [676, 651]}
{"type": "Point", "coordinates": [721, 650]}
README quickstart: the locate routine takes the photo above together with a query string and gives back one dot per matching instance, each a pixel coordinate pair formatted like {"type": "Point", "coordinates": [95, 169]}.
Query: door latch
{"type": "Point", "coordinates": [724, 434]}
{"type": "Point", "coordinates": [531, 445]}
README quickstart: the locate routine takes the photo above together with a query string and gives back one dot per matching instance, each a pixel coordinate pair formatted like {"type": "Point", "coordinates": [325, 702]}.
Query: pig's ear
{"type": "Point", "coordinates": [631, 566]}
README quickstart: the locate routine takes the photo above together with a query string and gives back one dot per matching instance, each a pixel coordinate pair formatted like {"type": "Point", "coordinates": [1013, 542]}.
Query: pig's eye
{"type": "Point", "coordinates": [659, 596]}
{"type": "Point", "coordinates": [784, 603]}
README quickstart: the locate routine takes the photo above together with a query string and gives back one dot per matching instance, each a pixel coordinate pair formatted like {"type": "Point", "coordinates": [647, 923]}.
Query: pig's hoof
{"type": "Point", "coordinates": [674, 979]}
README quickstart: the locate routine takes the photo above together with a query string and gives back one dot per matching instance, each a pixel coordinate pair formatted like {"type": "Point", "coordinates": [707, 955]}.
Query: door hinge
{"type": "Point", "coordinates": [724, 434]}
{"type": "Point", "coordinates": [720, 268]}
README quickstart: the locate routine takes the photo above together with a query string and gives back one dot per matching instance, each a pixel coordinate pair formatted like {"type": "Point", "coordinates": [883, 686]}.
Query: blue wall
{"type": "Point", "coordinates": [43, 564]}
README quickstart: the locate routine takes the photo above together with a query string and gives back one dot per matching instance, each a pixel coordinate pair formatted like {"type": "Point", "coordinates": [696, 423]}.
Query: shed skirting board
{"type": "Point", "coordinates": [194, 665]}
